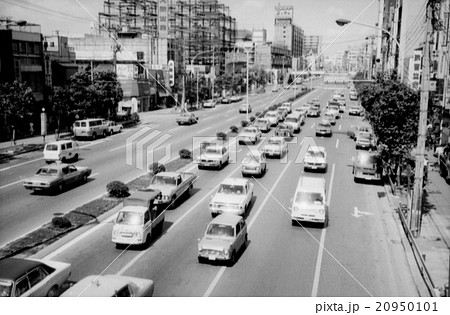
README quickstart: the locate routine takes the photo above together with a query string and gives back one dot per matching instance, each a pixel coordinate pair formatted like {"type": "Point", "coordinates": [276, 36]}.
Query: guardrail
{"type": "Point", "coordinates": [402, 209]}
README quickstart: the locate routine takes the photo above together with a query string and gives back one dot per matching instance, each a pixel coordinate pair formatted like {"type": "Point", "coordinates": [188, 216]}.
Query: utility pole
{"type": "Point", "coordinates": [416, 209]}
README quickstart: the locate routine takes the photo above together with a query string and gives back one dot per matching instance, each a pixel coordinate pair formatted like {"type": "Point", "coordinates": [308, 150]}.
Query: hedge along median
{"type": "Point", "coordinates": [85, 214]}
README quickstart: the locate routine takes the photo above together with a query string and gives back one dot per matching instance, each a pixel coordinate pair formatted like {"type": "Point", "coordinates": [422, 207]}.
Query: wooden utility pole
{"type": "Point", "coordinates": [416, 209]}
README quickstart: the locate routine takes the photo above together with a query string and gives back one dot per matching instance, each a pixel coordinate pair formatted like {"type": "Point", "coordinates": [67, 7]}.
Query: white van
{"type": "Point", "coordinates": [310, 201]}
{"type": "Point", "coordinates": [90, 128]}
{"type": "Point", "coordinates": [295, 120]}
{"type": "Point", "coordinates": [63, 151]}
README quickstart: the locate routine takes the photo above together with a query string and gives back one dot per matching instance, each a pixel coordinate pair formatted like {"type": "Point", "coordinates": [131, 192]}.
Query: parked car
{"type": "Point", "coordinates": [356, 111]}
{"type": "Point", "coordinates": [233, 196]}
{"type": "Point", "coordinates": [286, 87]}
{"type": "Point", "coordinates": [90, 128]}
{"type": "Point", "coordinates": [243, 108]}
{"type": "Point", "coordinates": [226, 100]}
{"type": "Point", "coordinates": [236, 98]}
{"type": "Point", "coordinates": [249, 134]}
{"type": "Point", "coordinates": [111, 286]}
{"type": "Point", "coordinates": [215, 156]}
{"type": "Point", "coordinates": [315, 159]}
{"type": "Point", "coordinates": [324, 129]}
{"type": "Point", "coordinates": [262, 124]}
{"type": "Point", "coordinates": [57, 177]}
{"type": "Point", "coordinates": [113, 127]}
{"type": "Point", "coordinates": [172, 185]}
{"type": "Point", "coordinates": [254, 163]}
{"type": "Point", "coordinates": [209, 103]}
{"type": "Point", "coordinates": [275, 146]}
{"type": "Point", "coordinates": [225, 237]}
{"type": "Point", "coordinates": [187, 118]}
{"type": "Point", "coordinates": [63, 150]}
{"type": "Point", "coordinates": [276, 88]}
{"type": "Point", "coordinates": [284, 130]}
{"type": "Point", "coordinates": [32, 277]}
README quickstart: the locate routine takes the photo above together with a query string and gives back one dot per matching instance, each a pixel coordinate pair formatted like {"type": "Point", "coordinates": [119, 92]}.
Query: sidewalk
{"type": "Point", "coordinates": [433, 242]}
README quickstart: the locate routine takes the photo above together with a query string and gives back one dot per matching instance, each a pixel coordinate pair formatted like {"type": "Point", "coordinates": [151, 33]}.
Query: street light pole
{"type": "Point", "coordinates": [342, 22]}
{"type": "Point", "coordinates": [192, 65]}
{"type": "Point", "coordinates": [247, 51]}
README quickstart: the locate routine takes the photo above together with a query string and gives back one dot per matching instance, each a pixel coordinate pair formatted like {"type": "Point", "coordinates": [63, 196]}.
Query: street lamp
{"type": "Point", "coordinates": [192, 66]}
{"type": "Point", "coordinates": [342, 22]}
{"type": "Point", "coordinates": [247, 51]}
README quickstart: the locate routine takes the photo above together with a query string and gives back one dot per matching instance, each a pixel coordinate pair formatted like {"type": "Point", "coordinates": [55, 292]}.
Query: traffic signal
{"type": "Point", "coordinates": [171, 66]}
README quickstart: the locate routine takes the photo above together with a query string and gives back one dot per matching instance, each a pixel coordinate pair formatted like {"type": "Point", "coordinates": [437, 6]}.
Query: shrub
{"type": "Point", "coordinates": [185, 154]}
{"type": "Point", "coordinates": [61, 222]}
{"type": "Point", "coordinates": [258, 114]}
{"type": "Point", "coordinates": [117, 189]}
{"type": "Point", "coordinates": [222, 136]}
{"type": "Point", "coordinates": [156, 168]}
{"type": "Point", "coordinates": [234, 129]}
{"type": "Point", "coordinates": [244, 123]}
{"type": "Point", "coordinates": [252, 119]}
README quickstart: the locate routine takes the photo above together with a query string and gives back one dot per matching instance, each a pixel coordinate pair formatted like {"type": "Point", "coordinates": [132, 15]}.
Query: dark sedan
{"type": "Point", "coordinates": [56, 177]}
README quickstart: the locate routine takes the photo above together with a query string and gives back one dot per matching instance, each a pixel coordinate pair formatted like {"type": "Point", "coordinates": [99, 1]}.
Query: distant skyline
{"type": "Point", "coordinates": [315, 17]}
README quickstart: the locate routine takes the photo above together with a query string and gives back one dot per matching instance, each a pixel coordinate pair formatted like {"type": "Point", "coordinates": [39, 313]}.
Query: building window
{"type": "Point", "coordinates": [51, 44]}
{"type": "Point", "coordinates": [416, 67]}
{"type": "Point", "coordinates": [140, 55]}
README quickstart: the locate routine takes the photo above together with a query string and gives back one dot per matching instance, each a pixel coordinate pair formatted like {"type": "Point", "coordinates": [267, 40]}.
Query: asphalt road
{"type": "Point", "coordinates": [353, 256]}
{"type": "Point", "coordinates": [22, 211]}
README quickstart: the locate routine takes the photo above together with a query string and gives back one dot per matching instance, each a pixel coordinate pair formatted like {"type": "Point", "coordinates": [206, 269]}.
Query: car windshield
{"type": "Point", "coordinates": [291, 119]}
{"type": "Point", "coordinates": [250, 130]}
{"type": "Point", "coordinates": [51, 147]}
{"type": "Point", "coordinates": [322, 125]}
{"type": "Point", "coordinates": [308, 198]}
{"type": "Point", "coordinates": [231, 189]}
{"type": "Point", "coordinates": [314, 154]}
{"type": "Point", "coordinates": [261, 121]}
{"type": "Point", "coordinates": [366, 159]}
{"type": "Point", "coordinates": [274, 141]}
{"type": "Point", "coordinates": [130, 218]}
{"type": "Point", "coordinates": [5, 288]}
{"type": "Point", "coordinates": [355, 107]}
{"type": "Point", "coordinates": [250, 158]}
{"type": "Point", "coordinates": [163, 180]}
{"type": "Point", "coordinates": [271, 115]}
{"type": "Point", "coordinates": [47, 171]}
{"type": "Point", "coordinates": [210, 150]}
{"type": "Point", "coordinates": [220, 230]}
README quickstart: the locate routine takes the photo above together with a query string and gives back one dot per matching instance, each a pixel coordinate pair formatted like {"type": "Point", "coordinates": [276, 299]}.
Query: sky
{"type": "Point", "coordinates": [315, 17]}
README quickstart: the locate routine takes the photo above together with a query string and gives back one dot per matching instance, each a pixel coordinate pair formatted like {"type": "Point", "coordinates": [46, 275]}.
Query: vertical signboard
{"type": "Point", "coordinates": [163, 18]}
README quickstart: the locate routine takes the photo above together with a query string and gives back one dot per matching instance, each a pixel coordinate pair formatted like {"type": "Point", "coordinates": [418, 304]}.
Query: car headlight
{"type": "Point", "coordinates": [258, 168]}
{"type": "Point", "coordinates": [226, 251]}
{"type": "Point", "coordinates": [295, 208]}
{"type": "Point", "coordinates": [200, 247]}
{"type": "Point", "coordinates": [241, 207]}
{"type": "Point", "coordinates": [165, 197]}
{"type": "Point", "coordinates": [115, 233]}
{"type": "Point", "coordinates": [137, 234]}
{"type": "Point", "coordinates": [211, 205]}
{"type": "Point", "coordinates": [322, 211]}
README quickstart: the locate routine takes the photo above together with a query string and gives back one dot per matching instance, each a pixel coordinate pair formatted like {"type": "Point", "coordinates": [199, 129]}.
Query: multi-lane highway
{"type": "Point", "coordinates": [354, 256]}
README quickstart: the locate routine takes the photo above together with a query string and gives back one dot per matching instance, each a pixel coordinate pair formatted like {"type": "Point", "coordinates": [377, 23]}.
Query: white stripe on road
{"type": "Point", "coordinates": [19, 181]}
{"type": "Point", "coordinates": [340, 127]}
{"type": "Point", "coordinates": [229, 119]}
{"type": "Point", "coordinates": [269, 194]}
{"type": "Point", "coordinates": [194, 207]}
{"type": "Point", "coordinates": [315, 287]}
{"type": "Point", "coordinates": [337, 143]}
{"type": "Point", "coordinates": [313, 125]}
{"type": "Point", "coordinates": [17, 165]}
{"type": "Point", "coordinates": [201, 131]}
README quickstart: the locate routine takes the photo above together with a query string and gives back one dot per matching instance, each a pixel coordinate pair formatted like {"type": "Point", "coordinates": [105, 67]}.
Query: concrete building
{"type": "Point", "coordinates": [312, 50]}
{"type": "Point", "coordinates": [259, 37]}
{"type": "Point", "coordinates": [289, 35]}
{"type": "Point", "coordinates": [21, 55]}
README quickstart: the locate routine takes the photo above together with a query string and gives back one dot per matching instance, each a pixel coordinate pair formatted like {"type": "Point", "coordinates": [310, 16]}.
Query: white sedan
{"type": "Point", "coordinates": [275, 146]}
{"type": "Point", "coordinates": [114, 127]}
{"type": "Point", "coordinates": [249, 134]}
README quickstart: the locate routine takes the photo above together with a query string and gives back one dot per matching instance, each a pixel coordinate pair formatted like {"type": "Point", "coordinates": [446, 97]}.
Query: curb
{"type": "Point", "coordinates": [421, 288]}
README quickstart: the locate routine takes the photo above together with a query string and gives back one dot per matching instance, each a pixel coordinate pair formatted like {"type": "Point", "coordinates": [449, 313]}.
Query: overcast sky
{"type": "Point", "coordinates": [315, 17]}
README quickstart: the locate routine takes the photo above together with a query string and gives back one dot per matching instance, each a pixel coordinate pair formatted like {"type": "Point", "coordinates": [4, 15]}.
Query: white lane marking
{"type": "Point", "coordinates": [313, 125]}
{"type": "Point", "coordinates": [17, 165]}
{"type": "Point", "coordinates": [315, 287]}
{"type": "Point", "coordinates": [340, 127]}
{"type": "Point", "coordinates": [194, 207]}
{"type": "Point", "coordinates": [269, 194]}
{"type": "Point", "coordinates": [204, 130]}
{"type": "Point", "coordinates": [93, 175]}
{"type": "Point", "coordinates": [229, 119]}
{"type": "Point", "coordinates": [118, 148]}
{"type": "Point", "coordinates": [337, 143]}
{"type": "Point", "coordinates": [4, 186]}
{"type": "Point", "coordinates": [92, 143]}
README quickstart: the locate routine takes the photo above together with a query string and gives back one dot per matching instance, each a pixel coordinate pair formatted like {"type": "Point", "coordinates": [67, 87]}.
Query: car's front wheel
{"type": "Point", "coordinates": [232, 260]}
{"type": "Point", "coordinates": [52, 291]}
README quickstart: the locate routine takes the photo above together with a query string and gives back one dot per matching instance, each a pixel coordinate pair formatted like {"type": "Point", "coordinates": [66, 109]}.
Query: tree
{"type": "Point", "coordinates": [16, 102]}
{"type": "Point", "coordinates": [98, 98]}
{"type": "Point", "coordinates": [61, 104]}
{"type": "Point", "coordinates": [393, 110]}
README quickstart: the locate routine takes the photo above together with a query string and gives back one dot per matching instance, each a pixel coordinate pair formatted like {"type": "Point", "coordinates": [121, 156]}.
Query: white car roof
{"type": "Point", "coordinates": [234, 181]}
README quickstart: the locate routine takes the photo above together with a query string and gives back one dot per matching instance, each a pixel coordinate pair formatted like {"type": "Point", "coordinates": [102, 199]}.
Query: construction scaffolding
{"type": "Point", "coordinates": [125, 17]}
{"type": "Point", "coordinates": [197, 26]}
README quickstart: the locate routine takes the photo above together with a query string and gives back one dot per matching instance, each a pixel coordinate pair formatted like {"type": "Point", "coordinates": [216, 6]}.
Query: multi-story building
{"type": "Point", "coordinates": [288, 34]}
{"type": "Point", "coordinates": [312, 50]}
{"type": "Point", "coordinates": [21, 55]}
{"type": "Point", "coordinates": [59, 60]}
{"type": "Point", "coordinates": [390, 50]}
